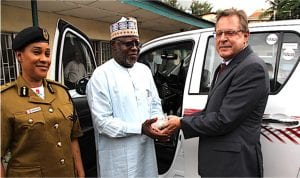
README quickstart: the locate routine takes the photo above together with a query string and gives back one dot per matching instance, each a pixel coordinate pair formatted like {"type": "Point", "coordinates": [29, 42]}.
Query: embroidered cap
{"type": "Point", "coordinates": [30, 35]}
{"type": "Point", "coordinates": [126, 26]}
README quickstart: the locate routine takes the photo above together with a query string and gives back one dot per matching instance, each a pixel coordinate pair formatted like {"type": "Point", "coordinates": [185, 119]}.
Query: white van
{"type": "Point", "coordinates": [183, 65]}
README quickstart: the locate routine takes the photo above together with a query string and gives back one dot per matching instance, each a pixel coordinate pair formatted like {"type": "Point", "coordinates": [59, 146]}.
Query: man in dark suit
{"type": "Point", "coordinates": [229, 126]}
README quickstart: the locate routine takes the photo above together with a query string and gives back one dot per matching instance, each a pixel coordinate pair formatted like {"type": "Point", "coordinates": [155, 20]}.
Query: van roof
{"type": "Point", "coordinates": [251, 25]}
{"type": "Point", "coordinates": [275, 23]}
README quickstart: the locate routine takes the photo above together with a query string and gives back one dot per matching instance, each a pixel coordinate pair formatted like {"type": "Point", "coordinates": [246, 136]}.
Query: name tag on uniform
{"type": "Point", "coordinates": [33, 110]}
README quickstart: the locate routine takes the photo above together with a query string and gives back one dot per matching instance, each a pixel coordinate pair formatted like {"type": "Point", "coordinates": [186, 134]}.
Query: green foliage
{"type": "Point", "coordinates": [200, 8]}
{"type": "Point", "coordinates": [283, 9]}
{"type": "Point", "coordinates": [173, 3]}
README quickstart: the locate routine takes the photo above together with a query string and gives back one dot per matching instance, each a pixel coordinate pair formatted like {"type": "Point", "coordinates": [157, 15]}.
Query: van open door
{"type": "Point", "coordinates": [70, 47]}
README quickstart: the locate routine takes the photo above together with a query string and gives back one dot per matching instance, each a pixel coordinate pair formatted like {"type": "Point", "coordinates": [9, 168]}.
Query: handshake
{"type": "Point", "coordinates": [161, 128]}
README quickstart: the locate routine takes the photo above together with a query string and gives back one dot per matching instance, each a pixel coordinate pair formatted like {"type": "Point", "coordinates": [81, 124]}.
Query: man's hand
{"type": "Point", "coordinates": [153, 132]}
{"type": "Point", "coordinates": [173, 124]}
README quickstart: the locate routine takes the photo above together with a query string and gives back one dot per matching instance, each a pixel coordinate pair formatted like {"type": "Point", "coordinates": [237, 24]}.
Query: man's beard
{"type": "Point", "coordinates": [124, 62]}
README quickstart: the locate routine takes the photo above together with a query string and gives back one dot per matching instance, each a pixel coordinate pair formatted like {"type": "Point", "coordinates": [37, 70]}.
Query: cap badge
{"type": "Point", "coordinates": [45, 34]}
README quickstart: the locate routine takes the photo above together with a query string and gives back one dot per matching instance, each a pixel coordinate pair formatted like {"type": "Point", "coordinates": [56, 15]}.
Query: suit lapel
{"type": "Point", "coordinates": [234, 63]}
{"type": "Point", "coordinates": [221, 78]}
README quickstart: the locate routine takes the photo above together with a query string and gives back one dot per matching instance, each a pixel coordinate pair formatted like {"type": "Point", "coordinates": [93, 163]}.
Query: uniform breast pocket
{"type": "Point", "coordinates": [29, 121]}
{"type": "Point", "coordinates": [67, 111]}
{"type": "Point", "coordinates": [68, 117]}
{"type": "Point", "coordinates": [20, 171]}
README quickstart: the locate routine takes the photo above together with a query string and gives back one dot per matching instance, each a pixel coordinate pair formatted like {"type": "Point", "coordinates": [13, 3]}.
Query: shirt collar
{"type": "Point", "coordinates": [226, 62]}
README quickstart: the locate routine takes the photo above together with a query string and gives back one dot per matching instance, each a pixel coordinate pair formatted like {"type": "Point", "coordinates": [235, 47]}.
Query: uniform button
{"type": "Point", "coordinates": [71, 117]}
{"type": "Point", "coordinates": [62, 161]}
{"type": "Point", "coordinates": [59, 144]}
{"type": "Point", "coordinates": [51, 110]}
{"type": "Point", "coordinates": [56, 126]}
{"type": "Point", "coordinates": [30, 121]}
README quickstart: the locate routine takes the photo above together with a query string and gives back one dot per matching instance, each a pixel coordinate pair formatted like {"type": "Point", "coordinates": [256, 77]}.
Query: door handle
{"type": "Point", "coordinates": [280, 119]}
{"type": "Point", "coordinates": [287, 123]}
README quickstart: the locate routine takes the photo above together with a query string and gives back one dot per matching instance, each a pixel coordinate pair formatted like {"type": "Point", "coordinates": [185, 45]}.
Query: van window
{"type": "Point", "coordinates": [77, 60]}
{"type": "Point", "coordinates": [211, 62]}
{"type": "Point", "coordinates": [289, 56]}
{"type": "Point", "coordinates": [266, 46]}
{"type": "Point", "coordinates": [270, 45]}
{"type": "Point", "coordinates": [169, 65]}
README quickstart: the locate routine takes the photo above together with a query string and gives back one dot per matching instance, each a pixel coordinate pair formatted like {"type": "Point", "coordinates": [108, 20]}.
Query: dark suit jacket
{"type": "Point", "coordinates": [229, 126]}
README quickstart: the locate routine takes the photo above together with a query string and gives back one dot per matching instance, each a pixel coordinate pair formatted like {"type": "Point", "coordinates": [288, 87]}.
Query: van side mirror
{"type": "Point", "coordinates": [80, 86]}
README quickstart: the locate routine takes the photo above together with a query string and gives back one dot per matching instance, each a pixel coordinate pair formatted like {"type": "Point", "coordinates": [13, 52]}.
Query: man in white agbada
{"type": "Point", "coordinates": [122, 96]}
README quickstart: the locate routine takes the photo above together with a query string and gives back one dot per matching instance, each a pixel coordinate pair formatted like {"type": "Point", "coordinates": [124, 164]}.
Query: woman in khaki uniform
{"type": "Point", "coordinates": [38, 124]}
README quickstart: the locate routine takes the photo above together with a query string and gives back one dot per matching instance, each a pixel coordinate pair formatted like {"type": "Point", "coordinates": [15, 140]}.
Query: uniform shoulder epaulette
{"type": "Point", "coordinates": [57, 83]}
{"type": "Point", "coordinates": [7, 86]}
{"type": "Point", "coordinates": [50, 82]}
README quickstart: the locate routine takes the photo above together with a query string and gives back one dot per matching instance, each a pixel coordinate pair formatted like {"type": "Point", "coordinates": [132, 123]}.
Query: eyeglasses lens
{"type": "Point", "coordinates": [130, 44]}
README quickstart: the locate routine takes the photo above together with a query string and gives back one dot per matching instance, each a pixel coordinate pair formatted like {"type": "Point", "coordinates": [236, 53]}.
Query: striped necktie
{"type": "Point", "coordinates": [221, 68]}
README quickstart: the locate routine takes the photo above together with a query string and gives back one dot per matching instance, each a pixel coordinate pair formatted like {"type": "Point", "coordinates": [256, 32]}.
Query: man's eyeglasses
{"type": "Point", "coordinates": [130, 44]}
{"type": "Point", "coordinates": [227, 33]}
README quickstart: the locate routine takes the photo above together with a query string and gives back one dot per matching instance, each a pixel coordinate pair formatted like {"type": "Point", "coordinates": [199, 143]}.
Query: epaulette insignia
{"type": "Point", "coordinates": [56, 83]}
{"type": "Point", "coordinates": [23, 91]}
{"type": "Point", "coordinates": [49, 86]}
{"type": "Point", "coordinates": [7, 86]}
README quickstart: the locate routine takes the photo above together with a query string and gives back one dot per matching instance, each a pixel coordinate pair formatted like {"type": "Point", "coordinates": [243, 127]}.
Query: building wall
{"type": "Point", "coordinates": [14, 19]}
